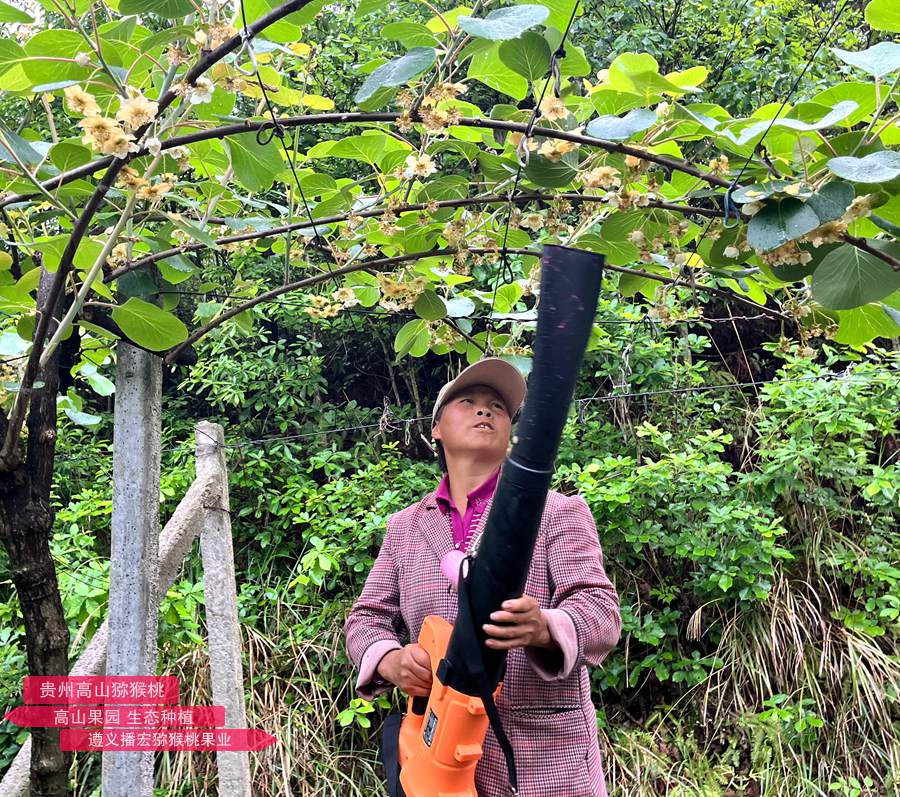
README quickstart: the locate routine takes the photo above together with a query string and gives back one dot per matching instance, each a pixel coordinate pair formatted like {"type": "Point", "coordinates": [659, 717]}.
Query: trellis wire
{"type": "Point", "coordinates": [809, 62]}
{"type": "Point", "coordinates": [278, 131]}
{"type": "Point", "coordinates": [389, 420]}
{"type": "Point", "coordinates": [392, 419]}
{"type": "Point", "coordinates": [523, 154]}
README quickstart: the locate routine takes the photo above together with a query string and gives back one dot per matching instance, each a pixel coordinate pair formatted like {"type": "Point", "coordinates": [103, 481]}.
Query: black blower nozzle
{"type": "Point", "coordinates": [570, 286]}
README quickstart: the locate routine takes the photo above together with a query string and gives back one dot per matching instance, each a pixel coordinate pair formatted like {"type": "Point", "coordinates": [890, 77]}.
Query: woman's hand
{"type": "Point", "coordinates": [525, 624]}
{"type": "Point", "coordinates": [409, 668]}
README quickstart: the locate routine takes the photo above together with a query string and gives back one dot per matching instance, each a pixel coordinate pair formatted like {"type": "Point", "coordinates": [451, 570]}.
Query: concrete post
{"type": "Point", "coordinates": [220, 594]}
{"type": "Point", "coordinates": [134, 565]}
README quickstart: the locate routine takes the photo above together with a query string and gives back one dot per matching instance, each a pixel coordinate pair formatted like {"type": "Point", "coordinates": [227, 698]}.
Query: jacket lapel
{"type": "Point", "coordinates": [435, 526]}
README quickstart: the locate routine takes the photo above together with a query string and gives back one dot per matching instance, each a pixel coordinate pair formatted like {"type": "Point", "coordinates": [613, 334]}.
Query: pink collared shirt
{"type": "Point", "coordinates": [477, 500]}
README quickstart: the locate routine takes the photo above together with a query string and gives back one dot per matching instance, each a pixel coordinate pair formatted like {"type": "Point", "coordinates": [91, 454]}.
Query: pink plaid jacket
{"type": "Point", "coordinates": [545, 703]}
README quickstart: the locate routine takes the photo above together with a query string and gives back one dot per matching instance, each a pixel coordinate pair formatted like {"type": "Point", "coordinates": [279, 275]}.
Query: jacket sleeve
{"type": "Point", "coordinates": [374, 625]}
{"type": "Point", "coordinates": [584, 616]}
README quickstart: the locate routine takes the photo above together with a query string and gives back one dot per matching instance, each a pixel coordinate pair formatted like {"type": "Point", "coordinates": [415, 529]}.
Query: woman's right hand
{"type": "Point", "coordinates": [409, 668]}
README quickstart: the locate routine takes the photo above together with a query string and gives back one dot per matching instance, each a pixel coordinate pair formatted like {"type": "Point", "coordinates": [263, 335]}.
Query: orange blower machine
{"type": "Point", "coordinates": [441, 737]}
{"type": "Point", "coordinates": [439, 757]}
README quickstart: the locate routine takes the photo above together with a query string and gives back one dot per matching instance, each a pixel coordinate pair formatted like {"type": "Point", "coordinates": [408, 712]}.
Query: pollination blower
{"type": "Point", "coordinates": [441, 736]}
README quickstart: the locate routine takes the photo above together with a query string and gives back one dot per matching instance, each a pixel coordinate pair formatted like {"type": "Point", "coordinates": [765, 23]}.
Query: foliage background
{"type": "Point", "coordinates": [751, 532]}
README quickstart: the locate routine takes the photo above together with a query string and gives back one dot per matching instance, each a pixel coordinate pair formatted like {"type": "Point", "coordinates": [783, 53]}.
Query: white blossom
{"type": "Point", "coordinates": [201, 91]}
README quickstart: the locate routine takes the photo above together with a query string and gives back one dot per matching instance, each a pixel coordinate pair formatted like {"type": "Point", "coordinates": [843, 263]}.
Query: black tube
{"type": "Point", "coordinates": [570, 286]}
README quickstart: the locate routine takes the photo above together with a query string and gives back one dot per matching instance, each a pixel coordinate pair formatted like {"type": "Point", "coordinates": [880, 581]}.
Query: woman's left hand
{"type": "Point", "coordinates": [524, 624]}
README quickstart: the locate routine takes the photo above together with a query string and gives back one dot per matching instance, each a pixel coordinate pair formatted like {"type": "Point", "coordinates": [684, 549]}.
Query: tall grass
{"type": "Point", "coordinates": [291, 695]}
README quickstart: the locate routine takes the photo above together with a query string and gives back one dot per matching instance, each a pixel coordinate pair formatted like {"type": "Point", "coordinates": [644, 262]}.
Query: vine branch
{"type": "Point", "coordinates": [386, 263]}
{"type": "Point", "coordinates": [10, 453]}
{"type": "Point", "coordinates": [520, 199]}
{"type": "Point", "coordinates": [865, 246]}
{"type": "Point", "coordinates": [250, 126]}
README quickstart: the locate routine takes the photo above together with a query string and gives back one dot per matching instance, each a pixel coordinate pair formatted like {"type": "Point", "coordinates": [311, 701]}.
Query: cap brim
{"type": "Point", "coordinates": [499, 374]}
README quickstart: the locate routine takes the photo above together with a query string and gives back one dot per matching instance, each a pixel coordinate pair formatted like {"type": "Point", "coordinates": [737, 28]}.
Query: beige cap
{"type": "Point", "coordinates": [499, 374]}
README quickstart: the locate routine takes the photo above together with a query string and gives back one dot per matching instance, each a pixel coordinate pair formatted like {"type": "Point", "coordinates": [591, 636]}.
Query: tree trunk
{"type": "Point", "coordinates": [26, 521]}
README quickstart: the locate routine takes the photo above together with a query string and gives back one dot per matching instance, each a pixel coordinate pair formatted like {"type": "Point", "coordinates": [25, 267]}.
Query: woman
{"type": "Point", "coordinates": [567, 618]}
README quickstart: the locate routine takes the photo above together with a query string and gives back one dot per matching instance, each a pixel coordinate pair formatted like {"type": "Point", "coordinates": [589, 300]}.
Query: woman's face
{"type": "Point", "coordinates": [474, 421]}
